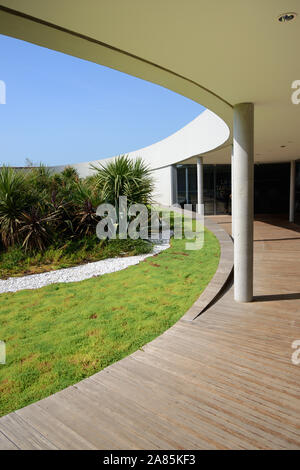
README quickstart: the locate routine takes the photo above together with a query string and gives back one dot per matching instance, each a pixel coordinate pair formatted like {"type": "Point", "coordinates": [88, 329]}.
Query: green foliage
{"type": "Point", "coordinates": [37, 227]}
{"type": "Point", "coordinates": [124, 177]}
{"type": "Point", "coordinates": [13, 203]}
{"type": "Point", "coordinates": [85, 201]}
{"type": "Point", "coordinates": [39, 180]}
{"type": "Point", "coordinates": [39, 208]}
{"type": "Point", "coordinates": [48, 221]}
{"type": "Point", "coordinates": [70, 173]}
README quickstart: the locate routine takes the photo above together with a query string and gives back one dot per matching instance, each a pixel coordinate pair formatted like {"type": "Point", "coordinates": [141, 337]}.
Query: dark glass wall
{"type": "Point", "coordinates": [271, 188]}
{"type": "Point", "coordinates": [187, 184]}
{"type": "Point", "coordinates": [223, 189]}
{"type": "Point", "coordinates": [181, 186]}
{"type": "Point", "coordinates": [209, 189]}
{"type": "Point", "coordinates": [217, 187]}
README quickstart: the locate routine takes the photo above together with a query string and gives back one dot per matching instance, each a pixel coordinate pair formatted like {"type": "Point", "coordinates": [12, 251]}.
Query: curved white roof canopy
{"type": "Point", "coordinates": [203, 134]}
{"type": "Point", "coordinates": [216, 53]}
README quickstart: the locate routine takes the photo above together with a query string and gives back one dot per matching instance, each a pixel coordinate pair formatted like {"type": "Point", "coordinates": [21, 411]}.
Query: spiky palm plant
{"type": "Point", "coordinates": [124, 177]}
{"type": "Point", "coordinates": [62, 206]}
{"type": "Point", "coordinates": [36, 228]}
{"type": "Point", "coordinates": [40, 178]}
{"type": "Point", "coordinates": [13, 202]}
{"type": "Point", "coordinates": [70, 173]}
{"type": "Point", "coordinates": [85, 203]}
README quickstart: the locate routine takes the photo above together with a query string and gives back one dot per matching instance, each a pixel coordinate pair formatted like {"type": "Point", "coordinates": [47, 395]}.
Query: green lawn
{"type": "Point", "coordinates": [62, 333]}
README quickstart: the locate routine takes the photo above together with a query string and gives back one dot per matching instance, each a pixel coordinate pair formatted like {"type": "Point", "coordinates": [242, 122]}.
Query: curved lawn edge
{"type": "Point", "coordinates": [221, 276]}
{"type": "Point", "coordinates": [224, 269]}
{"type": "Point", "coordinates": [163, 310]}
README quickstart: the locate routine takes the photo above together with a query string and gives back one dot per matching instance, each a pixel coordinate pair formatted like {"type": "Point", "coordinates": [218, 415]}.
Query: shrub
{"type": "Point", "coordinates": [39, 208]}
{"type": "Point", "coordinates": [70, 173]}
{"type": "Point", "coordinates": [37, 227]}
{"type": "Point", "coordinates": [124, 177]}
{"type": "Point", "coordinates": [13, 203]}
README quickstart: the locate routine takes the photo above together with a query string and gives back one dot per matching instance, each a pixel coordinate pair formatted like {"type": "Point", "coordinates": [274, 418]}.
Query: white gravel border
{"type": "Point", "coordinates": [77, 273]}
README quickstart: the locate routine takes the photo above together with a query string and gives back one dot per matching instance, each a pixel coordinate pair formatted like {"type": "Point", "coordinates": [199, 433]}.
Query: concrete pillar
{"type": "Point", "coordinates": [200, 198]}
{"type": "Point", "coordinates": [232, 198]}
{"type": "Point", "coordinates": [187, 185]}
{"type": "Point", "coordinates": [243, 154]}
{"type": "Point", "coordinates": [292, 191]}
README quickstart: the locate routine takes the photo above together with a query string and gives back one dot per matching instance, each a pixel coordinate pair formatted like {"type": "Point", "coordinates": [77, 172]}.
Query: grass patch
{"type": "Point", "coordinates": [62, 333]}
{"type": "Point", "coordinates": [16, 262]}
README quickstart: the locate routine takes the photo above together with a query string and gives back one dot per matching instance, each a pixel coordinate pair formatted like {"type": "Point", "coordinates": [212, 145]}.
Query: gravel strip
{"type": "Point", "coordinates": [77, 273]}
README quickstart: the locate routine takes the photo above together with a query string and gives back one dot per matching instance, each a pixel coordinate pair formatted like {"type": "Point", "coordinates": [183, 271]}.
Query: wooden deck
{"type": "Point", "coordinates": [222, 381]}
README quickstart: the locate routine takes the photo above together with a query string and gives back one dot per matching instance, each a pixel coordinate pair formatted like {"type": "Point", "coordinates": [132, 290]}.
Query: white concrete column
{"type": "Point", "coordinates": [232, 198]}
{"type": "Point", "coordinates": [292, 191]}
{"type": "Point", "coordinates": [243, 154]}
{"type": "Point", "coordinates": [200, 197]}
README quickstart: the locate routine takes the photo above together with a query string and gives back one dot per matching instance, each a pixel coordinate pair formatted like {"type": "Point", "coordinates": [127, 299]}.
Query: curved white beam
{"type": "Point", "coordinates": [200, 136]}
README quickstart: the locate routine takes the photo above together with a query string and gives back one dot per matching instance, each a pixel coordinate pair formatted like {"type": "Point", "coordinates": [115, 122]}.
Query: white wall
{"type": "Point", "coordinates": [163, 185]}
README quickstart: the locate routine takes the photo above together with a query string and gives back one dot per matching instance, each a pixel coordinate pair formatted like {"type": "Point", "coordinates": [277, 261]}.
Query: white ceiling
{"type": "Point", "coordinates": [235, 49]}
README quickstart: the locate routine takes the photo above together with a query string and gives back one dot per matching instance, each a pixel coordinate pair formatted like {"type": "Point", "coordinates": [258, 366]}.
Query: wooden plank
{"type": "Point", "coordinates": [80, 413]}
{"type": "Point", "coordinates": [6, 444]}
{"type": "Point", "coordinates": [54, 429]}
{"type": "Point", "coordinates": [23, 435]}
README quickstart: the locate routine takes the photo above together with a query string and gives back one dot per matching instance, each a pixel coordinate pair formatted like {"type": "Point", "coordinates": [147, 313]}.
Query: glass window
{"type": "Point", "coordinates": [223, 189]}
{"type": "Point", "coordinates": [271, 188]}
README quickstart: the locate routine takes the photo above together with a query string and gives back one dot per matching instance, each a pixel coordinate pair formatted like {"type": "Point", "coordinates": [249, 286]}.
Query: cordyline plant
{"type": "Point", "coordinates": [37, 228]}
{"type": "Point", "coordinates": [12, 204]}
{"type": "Point", "coordinates": [85, 201]}
{"type": "Point", "coordinates": [39, 208]}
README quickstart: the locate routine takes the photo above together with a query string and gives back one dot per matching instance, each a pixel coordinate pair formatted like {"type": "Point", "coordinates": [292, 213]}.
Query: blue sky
{"type": "Point", "coordinates": [60, 109]}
